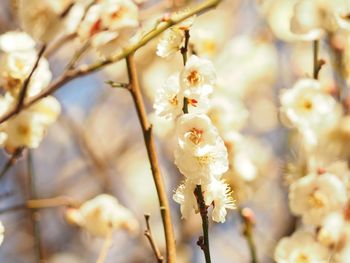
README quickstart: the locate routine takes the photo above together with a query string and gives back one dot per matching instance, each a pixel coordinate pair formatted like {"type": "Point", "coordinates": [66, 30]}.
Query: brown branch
{"type": "Point", "coordinates": [153, 159]}
{"type": "Point", "coordinates": [11, 161]}
{"type": "Point", "coordinates": [248, 218]}
{"type": "Point", "coordinates": [148, 234]}
{"type": "Point", "coordinates": [203, 241]}
{"type": "Point", "coordinates": [24, 90]}
{"type": "Point", "coordinates": [69, 75]}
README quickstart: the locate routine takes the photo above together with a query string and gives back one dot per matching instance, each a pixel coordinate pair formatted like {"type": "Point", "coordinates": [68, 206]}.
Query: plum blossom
{"type": "Point", "coordinates": [301, 247]}
{"type": "Point", "coordinates": [314, 196]}
{"type": "Point", "coordinates": [102, 215]}
{"type": "Point", "coordinates": [198, 77]}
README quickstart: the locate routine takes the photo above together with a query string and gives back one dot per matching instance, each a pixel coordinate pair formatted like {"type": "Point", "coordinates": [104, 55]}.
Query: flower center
{"type": "Point", "coordinates": [194, 78]}
{"type": "Point", "coordinates": [173, 100]}
{"type": "Point", "coordinates": [302, 258]}
{"type": "Point", "coordinates": [317, 200]}
{"type": "Point", "coordinates": [195, 135]}
{"type": "Point", "coordinates": [204, 160]}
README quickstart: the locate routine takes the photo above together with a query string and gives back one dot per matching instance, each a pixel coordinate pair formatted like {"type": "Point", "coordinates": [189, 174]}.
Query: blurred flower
{"type": "Point", "coordinates": [309, 109]}
{"type": "Point", "coordinates": [109, 24]}
{"type": "Point", "coordinates": [45, 19]}
{"type": "Point", "coordinates": [102, 215]}
{"type": "Point", "coordinates": [314, 196]}
{"type": "Point", "coordinates": [300, 247]}
{"type": "Point", "coordinates": [17, 62]}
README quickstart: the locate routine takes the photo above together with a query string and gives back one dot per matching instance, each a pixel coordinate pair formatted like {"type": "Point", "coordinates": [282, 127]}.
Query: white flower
{"type": "Point", "coordinates": [195, 131]}
{"type": "Point", "coordinates": [43, 19]}
{"type": "Point", "coordinates": [308, 108]}
{"type": "Point", "coordinates": [16, 41]}
{"type": "Point", "coordinates": [314, 196]}
{"type": "Point", "coordinates": [101, 215]}
{"type": "Point", "coordinates": [171, 42]}
{"type": "Point", "coordinates": [28, 128]}
{"type": "Point", "coordinates": [200, 164]}
{"type": "Point", "coordinates": [307, 20]}
{"type": "Point", "coordinates": [169, 99]}
{"type": "Point", "coordinates": [110, 24]}
{"type": "Point", "coordinates": [332, 229]}
{"type": "Point", "coordinates": [184, 195]}
{"type": "Point", "coordinates": [198, 77]}
{"type": "Point", "coordinates": [300, 247]}
{"type": "Point", "coordinates": [17, 62]}
{"type": "Point", "coordinates": [173, 38]}
{"type": "Point", "coordinates": [218, 193]}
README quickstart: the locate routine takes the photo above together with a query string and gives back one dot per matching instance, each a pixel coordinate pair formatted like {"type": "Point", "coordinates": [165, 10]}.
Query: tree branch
{"type": "Point", "coordinates": [148, 234]}
{"type": "Point", "coordinates": [153, 159]}
{"type": "Point", "coordinates": [69, 75]}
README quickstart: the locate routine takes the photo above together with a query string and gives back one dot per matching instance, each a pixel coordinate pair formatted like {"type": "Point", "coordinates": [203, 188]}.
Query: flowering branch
{"type": "Point", "coordinates": [203, 241]}
{"type": "Point", "coordinates": [72, 74]}
{"type": "Point", "coordinates": [148, 234]}
{"type": "Point", "coordinates": [152, 156]}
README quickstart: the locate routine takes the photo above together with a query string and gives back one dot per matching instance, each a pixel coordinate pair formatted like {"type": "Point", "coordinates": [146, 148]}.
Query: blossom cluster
{"type": "Point", "coordinates": [17, 58]}
{"type": "Point", "coordinates": [200, 153]}
{"type": "Point", "coordinates": [107, 25]}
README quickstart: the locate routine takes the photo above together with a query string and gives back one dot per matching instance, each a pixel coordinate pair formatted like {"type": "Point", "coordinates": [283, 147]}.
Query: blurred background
{"type": "Point", "coordinates": [96, 146]}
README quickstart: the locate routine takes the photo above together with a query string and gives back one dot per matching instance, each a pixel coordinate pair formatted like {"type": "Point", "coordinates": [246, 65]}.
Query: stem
{"type": "Point", "coordinates": [11, 161]}
{"type": "Point", "coordinates": [315, 56]}
{"type": "Point", "coordinates": [184, 49]}
{"type": "Point", "coordinates": [152, 156]}
{"type": "Point", "coordinates": [23, 92]}
{"type": "Point", "coordinates": [105, 248]}
{"type": "Point", "coordinates": [148, 234]}
{"type": "Point", "coordinates": [203, 241]}
{"type": "Point", "coordinates": [248, 219]}
{"type": "Point", "coordinates": [72, 74]}
{"type": "Point", "coordinates": [34, 215]}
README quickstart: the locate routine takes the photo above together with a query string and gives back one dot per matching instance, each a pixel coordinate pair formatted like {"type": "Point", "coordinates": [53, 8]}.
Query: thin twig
{"type": "Point", "coordinates": [153, 159]}
{"type": "Point", "coordinates": [105, 248]}
{"type": "Point", "coordinates": [148, 234]}
{"type": "Point", "coordinates": [78, 55]}
{"type": "Point", "coordinates": [11, 161]}
{"type": "Point", "coordinates": [203, 241]}
{"type": "Point", "coordinates": [184, 49]}
{"type": "Point", "coordinates": [248, 219]}
{"type": "Point", "coordinates": [23, 92]}
{"type": "Point", "coordinates": [88, 69]}
{"type": "Point", "coordinates": [34, 214]}
{"type": "Point", "coordinates": [59, 43]}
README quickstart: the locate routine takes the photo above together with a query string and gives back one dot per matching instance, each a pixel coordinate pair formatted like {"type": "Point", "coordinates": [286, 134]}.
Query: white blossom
{"type": "Point", "coordinates": [102, 215]}
{"type": "Point", "coordinates": [184, 195]}
{"type": "Point", "coordinates": [218, 193]}
{"type": "Point", "coordinates": [314, 196]}
{"type": "Point", "coordinates": [301, 247]}
{"type": "Point", "coordinates": [201, 163]}
{"type": "Point", "coordinates": [309, 109]}
{"type": "Point", "coordinates": [198, 77]}
{"type": "Point", "coordinates": [195, 131]}
{"type": "Point", "coordinates": [169, 99]}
